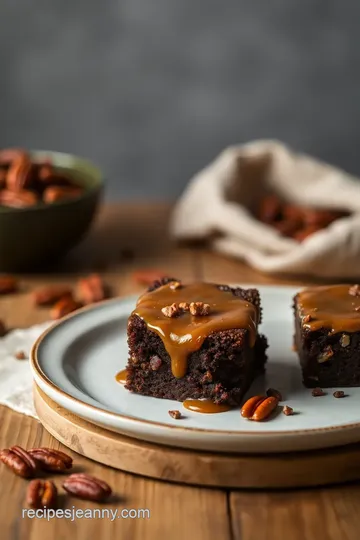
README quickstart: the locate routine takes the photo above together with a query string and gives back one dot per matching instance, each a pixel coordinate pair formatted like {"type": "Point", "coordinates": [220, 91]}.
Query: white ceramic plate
{"type": "Point", "coordinates": [76, 360]}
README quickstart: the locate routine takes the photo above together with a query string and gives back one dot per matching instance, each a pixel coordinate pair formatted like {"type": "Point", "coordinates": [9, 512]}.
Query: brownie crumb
{"type": "Point", "coordinates": [272, 392]}
{"type": "Point", "coordinates": [199, 309]}
{"type": "Point", "coordinates": [339, 394]}
{"type": "Point", "coordinates": [20, 355]}
{"type": "Point", "coordinates": [288, 411]}
{"type": "Point", "coordinates": [317, 392]}
{"type": "Point", "coordinates": [175, 414]}
{"type": "Point", "coordinates": [354, 290]}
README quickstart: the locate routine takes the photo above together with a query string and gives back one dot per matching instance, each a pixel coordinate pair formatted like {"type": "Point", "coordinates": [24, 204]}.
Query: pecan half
{"type": "Point", "coordinates": [61, 193]}
{"type": "Point", "coordinates": [18, 199]}
{"type": "Point", "coordinates": [250, 405]}
{"type": "Point", "coordinates": [50, 459]}
{"type": "Point", "coordinates": [47, 296]}
{"type": "Point", "coordinates": [8, 284]}
{"type": "Point", "coordinates": [339, 394]}
{"type": "Point", "coordinates": [8, 155]}
{"type": "Point", "coordinates": [19, 461]}
{"type": "Point", "coordinates": [87, 487]}
{"type": "Point", "coordinates": [20, 173]}
{"type": "Point", "coordinates": [199, 309]}
{"type": "Point", "coordinates": [64, 307]}
{"type": "Point", "coordinates": [91, 289]}
{"type": "Point", "coordinates": [325, 355]}
{"type": "Point", "coordinates": [41, 494]}
{"type": "Point", "coordinates": [259, 407]}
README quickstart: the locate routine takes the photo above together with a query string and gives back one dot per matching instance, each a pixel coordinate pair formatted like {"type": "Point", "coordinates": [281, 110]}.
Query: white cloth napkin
{"type": "Point", "coordinates": [16, 381]}
{"type": "Point", "coordinates": [218, 200]}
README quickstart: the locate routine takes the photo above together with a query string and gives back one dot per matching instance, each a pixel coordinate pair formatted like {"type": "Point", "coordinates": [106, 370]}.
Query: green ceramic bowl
{"type": "Point", "coordinates": [31, 238]}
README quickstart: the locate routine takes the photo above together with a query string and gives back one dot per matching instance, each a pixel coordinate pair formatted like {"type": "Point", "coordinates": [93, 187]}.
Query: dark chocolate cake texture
{"type": "Point", "coordinates": [195, 341]}
{"type": "Point", "coordinates": [327, 335]}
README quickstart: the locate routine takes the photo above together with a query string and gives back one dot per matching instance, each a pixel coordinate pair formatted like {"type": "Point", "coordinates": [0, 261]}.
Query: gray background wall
{"type": "Point", "coordinates": [154, 89]}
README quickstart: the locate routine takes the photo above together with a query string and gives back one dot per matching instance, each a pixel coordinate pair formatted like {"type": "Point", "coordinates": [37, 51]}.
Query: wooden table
{"type": "Point", "coordinates": [176, 511]}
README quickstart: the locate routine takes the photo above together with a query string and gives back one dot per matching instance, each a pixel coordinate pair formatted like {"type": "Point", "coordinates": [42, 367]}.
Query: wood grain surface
{"type": "Point", "coordinates": [176, 511]}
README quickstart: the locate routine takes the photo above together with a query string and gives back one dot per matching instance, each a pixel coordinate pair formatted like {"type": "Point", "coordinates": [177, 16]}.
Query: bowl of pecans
{"type": "Point", "coordinates": [47, 203]}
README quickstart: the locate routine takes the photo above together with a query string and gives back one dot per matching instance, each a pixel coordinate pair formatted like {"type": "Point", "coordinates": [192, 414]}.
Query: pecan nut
{"type": "Point", "coordinates": [175, 414]}
{"type": "Point", "coordinates": [199, 309]}
{"type": "Point", "coordinates": [18, 199]}
{"type": "Point", "coordinates": [64, 307]}
{"type": "Point", "coordinates": [50, 295]}
{"type": "Point", "coordinates": [87, 487]}
{"type": "Point", "coordinates": [20, 173]}
{"type": "Point", "coordinates": [259, 407]}
{"type": "Point", "coordinates": [61, 193]}
{"type": "Point", "coordinates": [275, 393]}
{"type": "Point", "coordinates": [19, 461]}
{"type": "Point", "coordinates": [91, 289]}
{"type": "Point", "coordinates": [171, 311]}
{"type": "Point", "coordinates": [8, 284]}
{"type": "Point", "coordinates": [52, 460]}
{"type": "Point", "coordinates": [41, 494]}
{"type": "Point", "coordinates": [8, 155]}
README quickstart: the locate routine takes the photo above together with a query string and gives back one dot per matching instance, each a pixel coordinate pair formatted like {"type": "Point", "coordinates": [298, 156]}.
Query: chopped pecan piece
{"type": "Point", "coordinates": [175, 414]}
{"type": "Point", "coordinates": [47, 296]}
{"type": "Point", "coordinates": [171, 311]}
{"type": "Point", "coordinates": [199, 309]}
{"type": "Point", "coordinates": [318, 392]}
{"type": "Point", "coordinates": [155, 362]}
{"type": "Point", "coordinates": [20, 355]}
{"type": "Point", "coordinates": [184, 306]}
{"type": "Point", "coordinates": [288, 411]}
{"type": "Point", "coordinates": [339, 394]}
{"type": "Point", "coordinates": [354, 290]}
{"type": "Point", "coordinates": [325, 355]}
{"type": "Point", "coordinates": [345, 340]}
{"type": "Point", "coordinates": [174, 285]}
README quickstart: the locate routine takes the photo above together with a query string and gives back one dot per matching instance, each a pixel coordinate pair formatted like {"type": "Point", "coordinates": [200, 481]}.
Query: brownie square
{"type": "Point", "coordinates": [220, 369]}
{"type": "Point", "coordinates": [327, 335]}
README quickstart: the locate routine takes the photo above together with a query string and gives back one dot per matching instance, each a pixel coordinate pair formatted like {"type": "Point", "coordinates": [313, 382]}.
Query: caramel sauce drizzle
{"type": "Point", "coordinates": [331, 307]}
{"type": "Point", "coordinates": [186, 333]}
{"type": "Point", "coordinates": [205, 406]}
{"type": "Point", "coordinates": [121, 376]}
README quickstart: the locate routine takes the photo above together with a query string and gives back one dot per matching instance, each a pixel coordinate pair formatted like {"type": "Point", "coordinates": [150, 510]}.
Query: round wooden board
{"type": "Point", "coordinates": [286, 470]}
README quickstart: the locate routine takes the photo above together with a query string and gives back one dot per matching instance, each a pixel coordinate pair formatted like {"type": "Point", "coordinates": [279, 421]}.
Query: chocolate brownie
{"type": "Point", "coordinates": [195, 341]}
{"type": "Point", "coordinates": [327, 335]}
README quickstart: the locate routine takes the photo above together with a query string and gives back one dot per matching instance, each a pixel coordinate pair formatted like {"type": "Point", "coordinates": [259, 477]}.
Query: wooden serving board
{"type": "Point", "coordinates": [296, 469]}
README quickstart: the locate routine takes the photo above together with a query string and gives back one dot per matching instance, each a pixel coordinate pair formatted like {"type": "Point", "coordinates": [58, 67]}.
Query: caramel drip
{"type": "Point", "coordinates": [121, 376]}
{"type": "Point", "coordinates": [331, 307]}
{"type": "Point", "coordinates": [186, 333]}
{"type": "Point", "coordinates": [205, 407]}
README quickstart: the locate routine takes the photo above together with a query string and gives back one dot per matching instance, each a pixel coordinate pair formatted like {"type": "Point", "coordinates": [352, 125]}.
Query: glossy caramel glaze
{"type": "Point", "coordinates": [205, 406]}
{"type": "Point", "coordinates": [332, 307]}
{"type": "Point", "coordinates": [185, 333]}
{"type": "Point", "coordinates": [121, 376]}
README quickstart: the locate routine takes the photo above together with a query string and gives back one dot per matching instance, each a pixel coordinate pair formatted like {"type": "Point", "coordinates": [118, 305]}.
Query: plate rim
{"type": "Point", "coordinates": [46, 382]}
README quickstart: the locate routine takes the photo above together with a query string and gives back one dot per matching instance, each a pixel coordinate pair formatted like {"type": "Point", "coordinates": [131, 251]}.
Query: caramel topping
{"type": "Point", "coordinates": [185, 333]}
{"type": "Point", "coordinates": [334, 307]}
{"type": "Point", "coordinates": [121, 376]}
{"type": "Point", "coordinates": [205, 406]}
